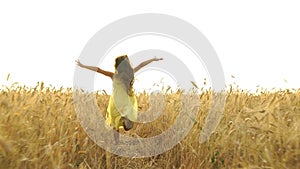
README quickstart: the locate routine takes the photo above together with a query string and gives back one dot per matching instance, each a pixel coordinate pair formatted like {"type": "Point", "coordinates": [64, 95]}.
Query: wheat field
{"type": "Point", "coordinates": [39, 129]}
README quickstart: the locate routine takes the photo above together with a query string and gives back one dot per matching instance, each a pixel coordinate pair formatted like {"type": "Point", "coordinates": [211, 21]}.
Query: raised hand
{"type": "Point", "coordinates": [157, 59]}
{"type": "Point", "coordinates": [79, 63]}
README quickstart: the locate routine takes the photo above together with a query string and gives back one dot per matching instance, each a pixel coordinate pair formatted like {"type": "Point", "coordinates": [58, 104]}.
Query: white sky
{"type": "Point", "coordinates": [257, 41]}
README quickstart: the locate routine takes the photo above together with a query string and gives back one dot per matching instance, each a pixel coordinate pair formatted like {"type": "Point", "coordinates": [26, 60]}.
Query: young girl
{"type": "Point", "coordinates": [122, 108]}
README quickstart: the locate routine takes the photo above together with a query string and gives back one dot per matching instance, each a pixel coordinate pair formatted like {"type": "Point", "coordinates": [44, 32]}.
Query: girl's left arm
{"type": "Point", "coordinates": [146, 63]}
{"type": "Point", "coordinates": [96, 69]}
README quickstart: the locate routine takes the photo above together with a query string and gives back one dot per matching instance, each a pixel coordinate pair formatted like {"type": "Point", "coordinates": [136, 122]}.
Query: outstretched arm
{"type": "Point", "coordinates": [146, 63]}
{"type": "Point", "coordinates": [96, 69]}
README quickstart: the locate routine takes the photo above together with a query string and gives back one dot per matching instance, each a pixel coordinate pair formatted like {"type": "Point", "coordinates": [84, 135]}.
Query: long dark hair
{"type": "Point", "coordinates": [125, 72]}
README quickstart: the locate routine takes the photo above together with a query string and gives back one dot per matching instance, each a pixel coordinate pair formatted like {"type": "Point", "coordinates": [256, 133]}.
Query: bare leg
{"type": "Point", "coordinates": [116, 135]}
{"type": "Point", "coordinates": [127, 123]}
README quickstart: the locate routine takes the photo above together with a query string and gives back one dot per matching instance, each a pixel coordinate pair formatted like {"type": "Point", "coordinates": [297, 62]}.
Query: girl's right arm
{"type": "Point", "coordinates": [96, 69]}
{"type": "Point", "coordinates": [146, 63]}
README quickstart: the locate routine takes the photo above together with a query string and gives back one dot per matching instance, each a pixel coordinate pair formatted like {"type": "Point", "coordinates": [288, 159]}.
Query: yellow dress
{"type": "Point", "coordinates": [121, 105]}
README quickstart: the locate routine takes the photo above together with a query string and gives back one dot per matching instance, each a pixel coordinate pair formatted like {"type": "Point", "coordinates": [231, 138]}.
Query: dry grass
{"type": "Point", "coordinates": [39, 129]}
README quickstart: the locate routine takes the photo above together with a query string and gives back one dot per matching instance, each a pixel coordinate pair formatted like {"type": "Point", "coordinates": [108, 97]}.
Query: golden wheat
{"type": "Point", "coordinates": [39, 129]}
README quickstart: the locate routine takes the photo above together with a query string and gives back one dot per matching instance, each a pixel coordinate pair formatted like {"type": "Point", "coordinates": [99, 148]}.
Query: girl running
{"type": "Point", "coordinates": [122, 108]}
